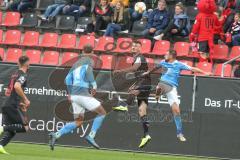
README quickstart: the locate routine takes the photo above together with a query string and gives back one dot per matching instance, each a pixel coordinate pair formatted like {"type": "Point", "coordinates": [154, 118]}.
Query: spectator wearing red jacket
{"type": "Point", "coordinates": [218, 31]}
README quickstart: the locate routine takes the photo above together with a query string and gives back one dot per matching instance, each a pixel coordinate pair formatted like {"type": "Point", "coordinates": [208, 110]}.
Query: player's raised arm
{"type": "Point", "coordinates": [130, 69]}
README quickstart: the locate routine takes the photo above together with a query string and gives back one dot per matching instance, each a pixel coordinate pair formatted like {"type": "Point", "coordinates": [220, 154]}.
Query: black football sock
{"type": "Point", "coordinates": [6, 138]}
{"type": "Point", "coordinates": [18, 128]}
{"type": "Point", "coordinates": [145, 124]}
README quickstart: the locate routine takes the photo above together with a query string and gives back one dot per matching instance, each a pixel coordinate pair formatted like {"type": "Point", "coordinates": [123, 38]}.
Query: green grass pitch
{"type": "Point", "coordinates": [41, 152]}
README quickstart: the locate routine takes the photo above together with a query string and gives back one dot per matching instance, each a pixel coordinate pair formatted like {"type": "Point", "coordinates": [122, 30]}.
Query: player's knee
{"type": "Point", "coordinates": [101, 111]}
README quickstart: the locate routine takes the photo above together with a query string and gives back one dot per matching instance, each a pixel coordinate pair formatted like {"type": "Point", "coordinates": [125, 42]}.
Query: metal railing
{"type": "Point", "coordinates": [230, 61]}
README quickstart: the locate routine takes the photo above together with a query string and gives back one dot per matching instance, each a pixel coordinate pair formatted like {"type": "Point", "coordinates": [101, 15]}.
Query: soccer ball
{"type": "Point", "coordinates": [140, 7]}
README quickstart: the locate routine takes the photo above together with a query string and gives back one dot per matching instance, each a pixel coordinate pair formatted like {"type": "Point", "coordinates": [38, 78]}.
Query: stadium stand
{"type": "Point", "coordinates": [31, 38]}
{"type": "Point", "coordinates": [13, 54]}
{"type": "Point", "coordinates": [49, 40]}
{"type": "Point", "coordinates": [218, 70]}
{"type": "Point", "coordinates": [34, 36]}
{"type": "Point", "coordinates": [11, 19]}
{"type": "Point", "coordinates": [67, 57]}
{"type": "Point", "coordinates": [67, 41]}
{"type": "Point", "coordinates": [103, 42]}
{"type": "Point", "coordinates": [29, 20]}
{"type": "Point", "coordinates": [85, 39]}
{"type": "Point", "coordinates": [161, 48]}
{"type": "Point", "coordinates": [12, 37]}
{"type": "Point", "coordinates": [34, 56]}
{"type": "Point", "coordinates": [50, 58]}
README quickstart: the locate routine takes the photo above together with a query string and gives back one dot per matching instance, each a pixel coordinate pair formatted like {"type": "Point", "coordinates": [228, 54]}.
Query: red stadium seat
{"type": "Point", "coordinates": [50, 58]}
{"type": "Point", "coordinates": [68, 41]}
{"type": "Point", "coordinates": [107, 62]}
{"type": "Point", "coordinates": [104, 43]}
{"type": "Point", "coordinates": [182, 49]}
{"type": "Point", "coordinates": [190, 63]}
{"type": "Point", "coordinates": [161, 47]}
{"type": "Point", "coordinates": [146, 45]}
{"type": "Point", "coordinates": [220, 52]}
{"type": "Point", "coordinates": [124, 45]}
{"type": "Point", "coordinates": [34, 56]}
{"type": "Point", "coordinates": [12, 37]}
{"type": "Point", "coordinates": [1, 36]}
{"type": "Point", "coordinates": [49, 40]}
{"type": "Point", "coordinates": [235, 52]}
{"type": "Point", "coordinates": [2, 53]}
{"type": "Point", "coordinates": [205, 66]}
{"type": "Point", "coordinates": [86, 39]}
{"type": "Point", "coordinates": [31, 38]}
{"type": "Point", "coordinates": [0, 17]}
{"type": "Point", "coordinates": [68, 58]}
{"type": "Point", "coordinates": [123, 62]}
{"type": "Point", "coordinates": [11, 19]}
{"type": "Point", "coordinates": [227, 73]}
{"type": "Point", "coordinates": [13, 55]}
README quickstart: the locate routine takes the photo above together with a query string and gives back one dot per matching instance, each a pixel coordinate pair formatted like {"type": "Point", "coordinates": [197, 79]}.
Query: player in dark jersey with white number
{"type": "Point", "coordinates": [15, 107]}
{"type": "Point", "coordinates": [141, 89]}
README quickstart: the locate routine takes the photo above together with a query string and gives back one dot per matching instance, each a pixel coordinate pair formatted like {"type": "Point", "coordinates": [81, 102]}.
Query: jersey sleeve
{"type": "Point", "coordinates": [22, 79]}
{"type": "Point", "coordinates": [183, 66]}
{"type": "Point", "coordinates": [69, 79]}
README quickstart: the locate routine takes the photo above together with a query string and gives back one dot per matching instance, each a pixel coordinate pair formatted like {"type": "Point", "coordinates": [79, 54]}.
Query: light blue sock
{"type": "Point", "coordinates": [178, 123]}
{"type": "Point", "coordinates": [66, 129]}
{"type": "Point", "coordinates": [97, 123]}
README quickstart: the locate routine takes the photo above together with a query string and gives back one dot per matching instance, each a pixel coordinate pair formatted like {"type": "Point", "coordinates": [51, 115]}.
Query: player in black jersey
{"type": "Point", "coordinates": [141, 88]}
{"type": "Point", "coordinates": [15, 107]}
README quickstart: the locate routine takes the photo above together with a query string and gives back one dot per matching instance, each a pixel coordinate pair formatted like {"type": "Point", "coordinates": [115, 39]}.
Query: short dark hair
{"type": "Point", "coordinates": [22, 60]}
{"type": "Point", "coordinates": [173, 53]}
{"type": "Point", "coordinates": [87, 48]}
{"type": "Point", "coordinates": [137, 42]}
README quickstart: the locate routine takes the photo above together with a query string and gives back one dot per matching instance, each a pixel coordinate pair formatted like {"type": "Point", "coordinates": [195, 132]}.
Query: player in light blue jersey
{"type": "Point", "coordinates": [82, 88]}
{"type": "Point", "coordinates": [171, 69]}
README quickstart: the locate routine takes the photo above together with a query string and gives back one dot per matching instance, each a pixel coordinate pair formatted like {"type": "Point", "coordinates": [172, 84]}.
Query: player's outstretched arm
{"type": "Point", "coordinates": [197, 70]}
{"type": "Point", "coordinates": [130, 69]}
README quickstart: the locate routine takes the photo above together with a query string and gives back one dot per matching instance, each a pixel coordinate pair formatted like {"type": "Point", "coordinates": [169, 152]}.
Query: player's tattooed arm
{"type": "Point", "coordinates": [133, 68]}
{"type": "Point", "coordinates": [157, 68]}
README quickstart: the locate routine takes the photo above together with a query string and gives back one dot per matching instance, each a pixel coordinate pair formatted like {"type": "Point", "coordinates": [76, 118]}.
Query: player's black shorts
{"type": "Point", "coordinates": [144, 86]}
{"type": "Point", "coordinates": [14, 115]}
{"type": "Point", "coordinates": [203, 47]}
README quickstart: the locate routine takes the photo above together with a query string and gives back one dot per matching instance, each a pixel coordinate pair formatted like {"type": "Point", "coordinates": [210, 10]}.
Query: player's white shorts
{"type": "Point", "coordinates": [81, 103]}
{"type": "Point", "coordinates": [172, 97]}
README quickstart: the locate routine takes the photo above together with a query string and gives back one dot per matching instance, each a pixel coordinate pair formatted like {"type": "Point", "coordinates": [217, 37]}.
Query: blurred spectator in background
{"type": "Point", "coordinates": [120, 20]}
{"type": "Point", "coordinates": [53, 10]}
{"type": "Point", "coordinates": [235, 30]}
{"type": "Point", "coordinates": [179, 25]}
{"type": "Point", "coordinates": [237, 72]}
{"type": "Point", "coordinates": [157, 20]}
{"type": "Point", "coordinates": [77, 8]}
{"type": "Point", "coordinates": [102, 16]}
{"type": "Point", "coordinates": [20, 5]}
{"type": "Point", "coordinates": [227, 9]}
{"type": "Point", "coordinates": [218, 31]}
{"type": "Point", "coordinates": [125, 3]}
